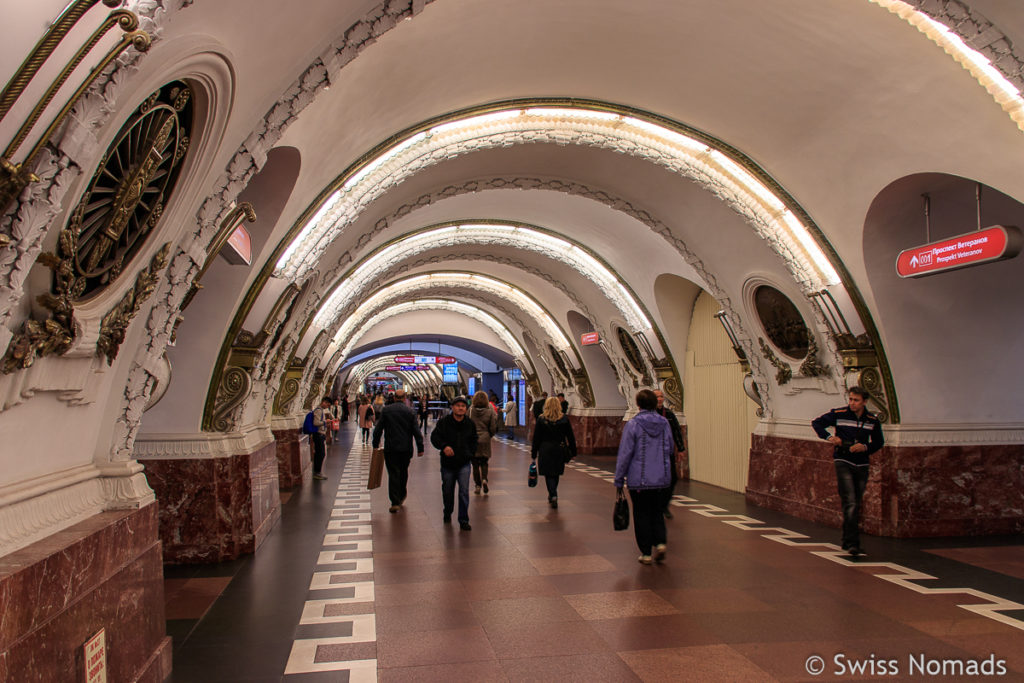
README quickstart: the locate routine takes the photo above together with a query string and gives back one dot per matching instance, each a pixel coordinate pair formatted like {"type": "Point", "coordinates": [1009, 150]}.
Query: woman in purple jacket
{"type": "Point", "coordinates": [645, 465]}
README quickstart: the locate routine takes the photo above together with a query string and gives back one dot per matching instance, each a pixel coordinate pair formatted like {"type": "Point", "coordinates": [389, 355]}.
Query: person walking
{"type": "Point", "coordinates": [554, 444]}
{"type": "Point", "coordinates": [397, 423]}
{"type": "Point", "coordinates": [858, 434]}
{"type": "Point", "coordinates": [455, 437]}
{"type": "Point", "coordinates": [511, 411]}
{"type": "Point", "coordinates": [319, 437]}
{"type": "Point", "coordinates": [424, 410]}
{"type": "Point", "coordinates": [365, 417]}
{"type": "Point", "coordinates": [677, 438]}
{"type": "Point", "coordinates": [644, 463]}
{"type": "Point", "coordinates": [486, 421]}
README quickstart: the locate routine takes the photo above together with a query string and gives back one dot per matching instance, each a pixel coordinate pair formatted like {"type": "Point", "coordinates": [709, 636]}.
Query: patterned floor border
{"type": "Point", "coordinates": [897, 574]}
{"type": "Point", "coordinates": [347, 542]}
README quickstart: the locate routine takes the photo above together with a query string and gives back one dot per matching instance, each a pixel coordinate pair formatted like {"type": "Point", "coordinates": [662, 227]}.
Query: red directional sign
{"type": "Point", "coordinates": [405, 359]}
{"type": "Point", "coordinates": [444, 360]}
{"type": "Point", "coordinates": [971, 249]}
{"type": "Point", "coordinates": [589, 338]}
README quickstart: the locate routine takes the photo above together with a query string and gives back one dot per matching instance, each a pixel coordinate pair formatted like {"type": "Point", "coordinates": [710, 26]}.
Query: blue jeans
{"type": "Point", "coordinates": [852, 480]}
{"type": "Point", "coordinates": [448, 479]}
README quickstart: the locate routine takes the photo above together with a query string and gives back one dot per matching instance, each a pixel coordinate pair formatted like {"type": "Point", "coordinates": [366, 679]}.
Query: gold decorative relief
{"type": "Point", "coordinates": [812, 367]}
{"type": "Point", "coordinates": [234, 387]}
{"type": "Point", "coordinates": [127, 195]}
{"type": "Point", "coordinates": [583, 388]}
{"type": "Point", "coordinates": [784, 372]}
{"type": "Point", "coordinates": [289, 390]}
{"type": "Point", "coordinates": [55, 335]}
{"type": "Point", "coordinates": [115, 323]}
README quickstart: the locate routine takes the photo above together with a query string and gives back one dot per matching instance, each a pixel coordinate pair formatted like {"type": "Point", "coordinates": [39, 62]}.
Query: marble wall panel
{"type": "Point", "coordinates": [597, 435]}
{"type": "Point", "coordinates": [105, 572]}
{"type": "Point", "coordinates": [215, 509]}
{"type": "Point", "coordinates": [294, 461]}
{"type": "Point", "coordinates": [913, 491]}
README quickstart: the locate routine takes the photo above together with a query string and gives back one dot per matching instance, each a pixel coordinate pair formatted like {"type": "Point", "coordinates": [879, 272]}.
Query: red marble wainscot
{"type": "Point", "coordinates": [913, 491]}
{"type": "Point", "coordinates": [102, 573]}
{"type": "Point", "coordinates": [215, 509]}
{"type": "Point", "coordinates": [597, 434]}
{"type": "Point", "coordinates": [294, 462]}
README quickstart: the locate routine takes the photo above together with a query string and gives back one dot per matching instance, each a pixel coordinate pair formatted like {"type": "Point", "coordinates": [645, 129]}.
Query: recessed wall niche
{"type": "Point", "coordinates": [781, 321]}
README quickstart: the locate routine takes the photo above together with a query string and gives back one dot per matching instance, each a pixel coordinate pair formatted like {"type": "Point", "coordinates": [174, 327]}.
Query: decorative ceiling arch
{"type": "Point", "coordinates": [491, 233]}
{"type": "Point", "coordinates": [953, 41]}
{"type": "Point", "coordinates": [472, 312]}
{"type": "Point", "coordinates": [427, 282]}
{"type": "Point", "coordinates": [693, 154]}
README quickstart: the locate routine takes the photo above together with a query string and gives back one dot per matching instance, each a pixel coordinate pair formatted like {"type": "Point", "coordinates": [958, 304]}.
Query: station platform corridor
{"type": "Point", "coordinates": [342, 590]}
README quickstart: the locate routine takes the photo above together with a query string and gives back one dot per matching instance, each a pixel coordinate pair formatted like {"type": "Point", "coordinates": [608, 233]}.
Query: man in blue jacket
{"type": "Point", "coordinates": [857, 434]}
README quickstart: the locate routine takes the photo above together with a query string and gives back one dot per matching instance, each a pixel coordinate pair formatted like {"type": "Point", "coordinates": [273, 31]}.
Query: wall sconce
{"type": "Point", "coordinates": [641, 339]}
{"type": "Point", "coordinates": [723, 318]}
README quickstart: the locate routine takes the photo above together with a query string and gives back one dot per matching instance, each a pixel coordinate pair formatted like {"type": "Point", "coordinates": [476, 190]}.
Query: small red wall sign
{"type": "Point", "coordinates": [589, 338]}
{"type": "Point", "coordinates": [971, 249]}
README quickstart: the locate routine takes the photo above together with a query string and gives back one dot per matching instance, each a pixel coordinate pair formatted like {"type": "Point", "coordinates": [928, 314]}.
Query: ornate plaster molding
{"type": "Point", "coordinates": [54, 505]}
{"type": "Point", "coordinates": [202, 445]}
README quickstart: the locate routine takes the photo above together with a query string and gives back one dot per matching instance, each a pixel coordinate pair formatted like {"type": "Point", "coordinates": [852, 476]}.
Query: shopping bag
{"type": "Point", "coordinates": [376, 468]}
{"type": "Point", "coordinates": [531, 477]}
{"type": "Point", "coordinates": [620, 517]}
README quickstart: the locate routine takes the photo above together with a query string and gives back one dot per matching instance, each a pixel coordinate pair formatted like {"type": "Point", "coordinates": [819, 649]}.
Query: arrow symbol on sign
{"type": "Point", "coordinates": [913, 261]}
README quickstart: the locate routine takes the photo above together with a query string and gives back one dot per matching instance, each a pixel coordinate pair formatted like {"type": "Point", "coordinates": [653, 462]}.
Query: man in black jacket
{"type": "Point", "coordinates": [455, 437]}
{"type": "Point", "coordinates": [398, 424]}
{"type": "Point", "coordinates": [677, 437]}
{"type": "Point", "coordinates": [858, 434]}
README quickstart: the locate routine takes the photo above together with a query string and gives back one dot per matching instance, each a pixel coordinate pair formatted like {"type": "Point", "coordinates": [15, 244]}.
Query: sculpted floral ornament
{"type": "Point", "coordinates": [115, 323]}
{"type": "Point", "coordinates": [55, 335]}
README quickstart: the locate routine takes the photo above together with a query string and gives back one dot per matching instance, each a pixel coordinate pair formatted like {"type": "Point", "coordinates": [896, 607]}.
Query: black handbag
{"type": "Point", "coordinates": [531, 477]}
{"type": "Point", "coordinates": [620, 518]}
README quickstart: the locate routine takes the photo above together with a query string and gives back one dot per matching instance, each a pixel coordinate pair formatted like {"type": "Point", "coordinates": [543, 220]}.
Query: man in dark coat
{"type": "Point", "coordinates": [455, 437]}
{"type": "Point", "coordinates": [677, 437]}
{"type": "Point", "coordinates": [398, 425]}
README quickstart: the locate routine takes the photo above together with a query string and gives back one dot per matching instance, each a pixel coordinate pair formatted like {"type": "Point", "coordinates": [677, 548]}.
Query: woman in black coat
{"type": "Point", "coordinates": [554, 444]}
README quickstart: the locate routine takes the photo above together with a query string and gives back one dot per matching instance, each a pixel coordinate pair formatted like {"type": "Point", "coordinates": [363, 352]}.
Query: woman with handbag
{"type": "Point", "coordinates": [554, 444]}
{"type": "Point", "coordinates": [365, 419]}
{"type": "Point", "coordinates": [644, 464]}
{"type": "Point", "coordinates": [486, 421]}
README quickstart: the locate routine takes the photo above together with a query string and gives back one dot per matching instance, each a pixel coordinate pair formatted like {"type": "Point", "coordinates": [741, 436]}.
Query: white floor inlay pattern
{"type": "Point", "coordinates": [342, 559]}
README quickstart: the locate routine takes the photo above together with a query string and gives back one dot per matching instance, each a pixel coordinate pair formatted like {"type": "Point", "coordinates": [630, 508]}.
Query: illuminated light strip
{"type": "Point", "coordinates": [488, 320]}
{"type": "Point", "coordinates": [439, 280]}
{"type": "Point", "coordinates": [671, 149]}
{"type": "Point", "coordinates": [1005, 93]}
{"type": "Point", "coordinates": [460, 235]}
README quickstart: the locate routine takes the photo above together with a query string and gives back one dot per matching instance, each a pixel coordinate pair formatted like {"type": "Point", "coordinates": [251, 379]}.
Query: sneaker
{"type": "Point", "coordinates": [485, 486]}
{"type": "Point", "coordinates": [476, 491]}
{"type": "Point", "coordinates": [554, 503]}
{"type": "Point", "coordinates": [318, 476]}
{"type": "Point", "coordinates": [645, 559]}
{"type": "Point", "coordinates": [465, 526]}
{"type": "Point", "coordinates": [393, 509]}
{"type": "Point", "coordinates": [659, 552]}
{"type": "Point", "coordinates": [855, 550]}
{"type": "Point", "coordinates": [447, 519]}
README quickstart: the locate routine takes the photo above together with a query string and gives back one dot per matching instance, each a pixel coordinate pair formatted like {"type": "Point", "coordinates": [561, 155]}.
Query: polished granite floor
{"type": "Point", "coordinates": [534, 594]}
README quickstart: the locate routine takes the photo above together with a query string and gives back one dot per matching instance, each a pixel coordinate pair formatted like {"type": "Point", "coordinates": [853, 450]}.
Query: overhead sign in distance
{"type": "Point", "coordinates": [405, 359]}
{"type": "Point", "coordinates": [588, 338]}
{"type": "Point", "coordinates": [970, 249]}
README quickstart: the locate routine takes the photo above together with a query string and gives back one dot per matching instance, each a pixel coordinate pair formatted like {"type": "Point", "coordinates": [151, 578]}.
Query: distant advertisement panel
{"type": "Point", "coordinates": [515, 373]}
{"type": "Point", "coordinates": [450, 373]}
{"type": "Point", "coordinates": [472, 385]}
